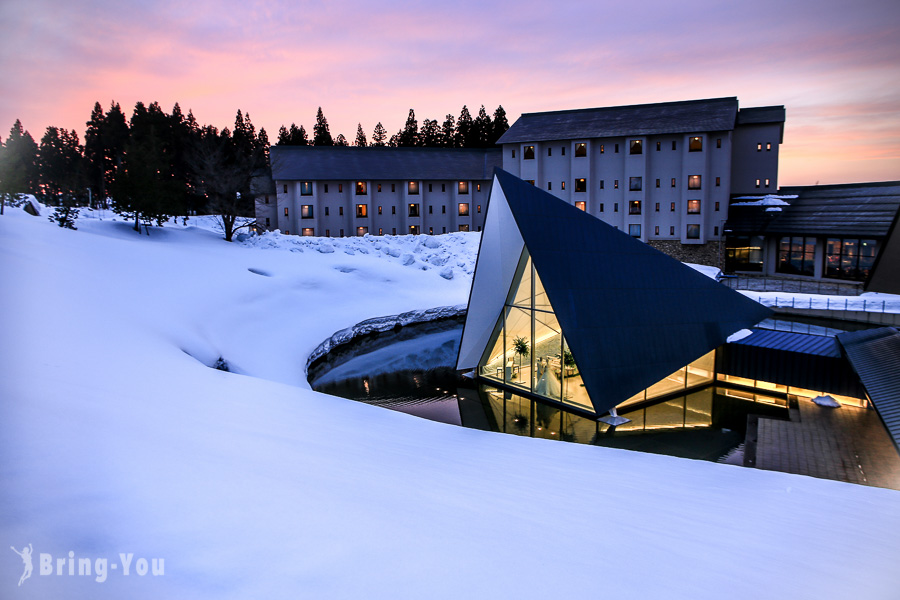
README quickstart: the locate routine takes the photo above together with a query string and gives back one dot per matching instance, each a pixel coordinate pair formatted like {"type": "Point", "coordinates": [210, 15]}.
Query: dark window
{"type": "Point", "coordinates": [717, 207]}
{"type": "Point", "coordinates": [361, 188]}
{"type": "Point", "coordinates": [672, 230]}
{"type": "Point", "coordinates": [326, 188]}
{"type": "Point", "coordinates": [718, 181]}
{"type": "Point", "coordinates": [634, 207]}
{"type": "Point", "coordinates": [430, 211]}
{"type": "Point", "coordinates": [617, 148]}
{"type": "Point", "coordinates": [340, 188]}
{"type": "Point", "coordinates": [306, 211]}
{"type": "Point", "coordinates": [430, 188]}
{"type": "Point", "coordinates": [796, 255]}
{"type": "Point", "coordinates": [695, 144]}
{"type": "Point", "coordinates": [580, 185]}
{"type": "Point", "coordinates": [616, 207]}
{"type": "Point", "coordinates": [581, 205]}
{"type": "Point", "coordinates": [444, 209]}
{"type": "Point", "coordinates": [634, 184]}
{"type": "Point", "coordinates": [267, 199]}
{"type": "Point", "coordinates": [393, 187]}
{"type": "Point", "coordinates": [563, 150]}
{"type": "Point", "coordinates": [531, 181]}
{"type": "Point", "coordinates": [849, 258]}
{"type": "Point", "coordinates": [443, 187]}
{"type": "Point", "coordinates": [656, 230]}
{"type": "Point", "coordinates": [657, 183]}
{"type": "Point", "coordinates": [658, 145]}
{"type": "Point", "coordinates": [693, 207]}
{"type": "Point", "coordinates": [634, 230]}
{"type": "Point", "coordinates": [601, 207]}
{"type": "Point", "coordinates": [285, 188]}
{"type": "Point", "coordinates": [444, 229]}
{"type": "Point", "coordinates": [413, 210]}
{"type": "Point", "coordinates": [549, 151]}
{"type": "Point", "coordinates": [716, 230]}
{"type": "Point", "coordinates": [528, 153]}
{"type": "Point", "coordinates": [549, 186]}
{"type": "Point", "coordinates": [636, 147]}
{"type": "Point", "coordinates": [463, 187]}
{"type": "Point", "coordinates": [393, 231]}
{"type": "Point", "coordinates": [657, 207]}
{"type": "Point", "coordinates": [463, 209]}
{"type": "Point", "coordinates": [340, 211]}
{"type": "Point", "coordinates": [673, 145]}
{"type": "Point", "coordinates": [693, 232]}
{"type": "Point", "coordinates": [342, 232]}
{"type": "Point", "coordinates": [326, 211]}
{"type": "Point", "coordinates": [412, 188]}
{"type": "Point", "coordinates": [718, 142]}
{"type": "Point", "coordinates": [514, 153]}
{"type": "Point", "coordinates": [581, 149]}
{"type": "Point", "coordinates": [463, 227]}
{"type": "Point", "coordinates": [693, 182]}
{"type": "Point", "coordinates": [601, 184]}
{"type": "Point", "coordinates": [379, 190]}
{"type": "Point", "coordinates": [267, 221]}
{"type": "Point", "coordinates": [393, 210]}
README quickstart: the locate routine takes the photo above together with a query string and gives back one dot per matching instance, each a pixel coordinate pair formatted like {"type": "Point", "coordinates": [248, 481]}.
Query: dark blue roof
{"type": "Point", "coordinates": [302, 163]}
{"type": "Point", "coordinates": [818, 345]}
{"type": "Point", "coordinates": [631, 314]}
{"type": "Point", "coordinates": [875, 356]}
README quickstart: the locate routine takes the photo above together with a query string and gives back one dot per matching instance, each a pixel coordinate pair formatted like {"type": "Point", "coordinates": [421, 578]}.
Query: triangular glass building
{"type": "Point", "coordinates": [570, 310]}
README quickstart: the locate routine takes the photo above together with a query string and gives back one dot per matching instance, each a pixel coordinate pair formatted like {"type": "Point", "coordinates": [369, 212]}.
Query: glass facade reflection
{"type": "Point", "coordinates": [528, 351]}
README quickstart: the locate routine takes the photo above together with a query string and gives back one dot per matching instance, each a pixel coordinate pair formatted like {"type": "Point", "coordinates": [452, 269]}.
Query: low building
{"type": "Point", "coordinates": [337, 191]}
{"type": "Point", "coordinates": [825, 232]}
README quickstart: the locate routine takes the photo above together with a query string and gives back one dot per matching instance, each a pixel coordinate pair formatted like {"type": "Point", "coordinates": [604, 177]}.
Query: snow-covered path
{"type": "Point", "coordinates": [115, 437]}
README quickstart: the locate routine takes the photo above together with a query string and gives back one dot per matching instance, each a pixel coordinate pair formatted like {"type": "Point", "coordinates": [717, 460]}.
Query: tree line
{"type": "Point", "coordinates": [153, 165]}
{"type": "Point", "coordinates": [481, 131]}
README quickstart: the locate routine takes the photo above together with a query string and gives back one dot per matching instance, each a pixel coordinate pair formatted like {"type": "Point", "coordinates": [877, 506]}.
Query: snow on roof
{"type": "Point", "coordinates": [767, 200]}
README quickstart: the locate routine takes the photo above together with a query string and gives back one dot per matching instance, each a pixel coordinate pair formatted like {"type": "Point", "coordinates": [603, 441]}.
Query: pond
{"type": "Point", "coordinates": [411, 370]}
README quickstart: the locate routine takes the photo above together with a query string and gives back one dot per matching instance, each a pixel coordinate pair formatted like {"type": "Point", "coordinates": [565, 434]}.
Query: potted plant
{"type": "Point", "coordinates": [520, 348]}
{"type": "Point", "coordinates": [569, 361]}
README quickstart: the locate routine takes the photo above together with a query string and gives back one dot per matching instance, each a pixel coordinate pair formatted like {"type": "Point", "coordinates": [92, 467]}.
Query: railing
{"type": "Point", "coordinates": [796, 286]}
{"type": "Point", "coordinates": [828, 303]}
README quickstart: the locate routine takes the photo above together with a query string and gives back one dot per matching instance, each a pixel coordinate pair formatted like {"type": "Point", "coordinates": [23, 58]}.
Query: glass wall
{"type": "Point", "coordinates": [744, 253]}
{"type": "Point", "coordinates": [849, 258]}
{"type": "Point", "coordinates": [796, 255]}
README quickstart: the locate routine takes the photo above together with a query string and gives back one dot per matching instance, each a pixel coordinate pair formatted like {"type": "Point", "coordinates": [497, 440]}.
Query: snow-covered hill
{"type": "Point", "coordinates": [117, 437]}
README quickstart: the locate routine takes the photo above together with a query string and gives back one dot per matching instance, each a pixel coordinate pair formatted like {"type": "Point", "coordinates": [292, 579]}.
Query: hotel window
{"type": "Point", "coordinates": [414, 229]}
{"type": "Point", "coordinates": [463, 227]}
{"type": "Point", "coordinates": [657, 183]}
{"type": "Point", "coordinates": [634, 230]}
{"type": "Point", "coordinates": [616, 184]}
{"type": "Point", "coordinates": [430, 211]}
{"type": "Point", "coordinates": [757, 183]}
{"type": "Point", "coordinates": [360, 188]}
{"type": "Point", "coordinates": [656, 230]}
{"type": "Point", "coordinates": [695, 144]}
{"type": "Point", "coordinates": [549, 151]}
{"type": "Point", "coordinates": [693, 182]}
{"type": "Point", "coordinates": [528, 153]}
{"type": "Point", "coordinates": [306, 188]}
{"type": "Point", "coordinates": [580, 185]}
{"type": "Point", "coordinates": [581, 205]}
{"type": "Point", "coordinates": [514, 153]}
{"type": "Point", "coordinates": [601, 207]}
{"type": "Point", "coordinates": [362, 211]}
{"type": "Point", "coordinates": [717, 207]}
{"type": "Point", "coordinates": [658, 146]}
{"type": "Point", "coordinates": [562, 185]}
{"type": "Point", "coordinates": [657, 207]}
{"type": "Point", "coordinates": [563, 150]}
{"type": "Point", "coordinates": [393, 210]}
{"type": "Point", "coordinates": [393, 187]}
{"type": "Point", "coordinates": [531, 181]}
{"type": "Point", "coordinates": [634, 184]}
{"type": "Point", "coordinates": [443, 187]}
{"type": "Point", "coordinates": [308, 232]}
{"type": "Point", "coordinates": [767, 183]}
{"type": "Point", "coordinates": [431, 231]}
{"type": "Point", "coordinates": [412, 188]}
{"type": "Point", "coordinates": [693, 207]}
{"type": "Point", "coordinates": [380, 231]}
{"type": "Point", "coordinates": [340, 188]}
{"type": "Point", "coordinates": [796, 255]}
{"type": "Point", "coordinates": [285, 211]}
{"type": "Point", "coordinates": [479, 209]}
{"type": "Point", "coordinates": [306, 211]}
{"type": "Point", "coordinates": [759, 147]}
{"type": "Point", "coordinates": [340, 211]}
{"type": "Point", "coordinates": [361, 231]}
{"type": "Point", "coordinates": [444, 229]}
{"type": "Point", "coordinates": [379, 188]}
{"type": "Point", "coordinates": [429, 188]}
{"type": "Point", "coordinates": [413, 210]}
{"type": "Point", "coordinates": [463, 209]}
{"type": "Point", "coordinates": [393, 231]}
{"type": "Point", "coordinates": [671, 207]}
{"type": "Point", "coordinates": [672, 230]}
{"type": "Point", "coordinates": [267, 221]}
{"type": "Point", "coordinates": [267, 199]}
{"type": "Point", "coordinates": [379, 210]}
{"type": "Point", "coordinates": [616, 207]}
{"type": "Point", "coordinates": [673, 182]}
{"type": "Point", "coordinates": [443, 209]}
{"type": "Point", "coordinates": [478, 185]}
{"type": "Point", "coordinates": [549, 186]}
{"type": "Point", "coordinates": [744, 253]}
{"type": "Point", "coordinates": [602, 150]}
{"type": "Point", "coordinates": [285, 188]}
{"type": "Point", "coordinates": [581, 149]}
{"type": "Point", "coordinates": [463, 187]}
{"type": "Point", "coordinates": [635, 147]}
{"type": "Point", "coordinates": [716, 230]}
{"type": "Point", "coordinates": [718, 142]}
{"type": "Point", "coordinates": [326, 188]}
{"type": "Point", "coordinates": [617, 148]}
{"type": "Point", "coordinates": [327, 233]}
{"type": "Point", "coordinates": [634, 207]}
{"type": "Point", "coordinates": [768, 146]}
{"type": "Point", "coordinates": [718, 181]}
{"type": "Point", "coordinates": [693, 232]}
{"type": "Point", "coordinates": [326, 211]}
{"type": "Point", "coordinates": [602, 181]}
{"type": "Point", "coordinates": [849, 258]}
{"type": "Point", "coordinates": [673, 145]}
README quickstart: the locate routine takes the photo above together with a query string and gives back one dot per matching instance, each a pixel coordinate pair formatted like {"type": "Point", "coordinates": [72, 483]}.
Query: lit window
{"type": "Point", "coordinates": [693, 182]}
{"type": "Point", "coordinates": [673, 182]}
{"type": "Point", "coordinates": [306, 188]}
{"type": "Point", "coordinates": [671, 207]}
{"type": "Point", "coordinates": [379, 210]}
{"type": "Point", "coordinates": [379, 187]}
{"type": "Point", "coordinates": [479, 209]}
{"type": "Point", "coordinates": [658, 146]}
{"type": "Point", "coordinates": [768, 146]}
{"type": "Point", "coordinates": [636, 147]}
{"type": "Point", "coordinates": [616, 184]}
{"type": "Point", "coordinates": [757, 183]}
{"type": "Point", "coordinates": [463, 187]}
{"type": "Point", "coordinates": [287, 232]}
{"type": "Point", "coordinates": [602, 150]}
{"type": "Point", "coordinates": [634, 184]}
{"type": "Point", "coordinates": [634, 230]}
{"type": "Point", "coordinates": [693, 207]}
{"type": "Point", "coordinates": [531, 181]}
{"type": "Point", "coordinates": [695, 144]}
{"type": "Point", "coordinates": [285, 211]}
{"type": "Point", "coordinates": [308, 232]}
{"type": "Point", "coordinates": [657, 207]}
{"type": "Point", "coordinates": [717, 207]}
{"type": "Point", "coordinates": [477, 187]}
{"type": "Point", "coordinates": [414, 229]}
{"type": "Point", "coordinates": [341, 211]}
{"type": "Point", "coordinates": [463, 209]}
{"type": "Point", "coordinates": [340, 188]}
{"type": "Point", "coordinates": [796, 255]}
{"type": "Point", "coordinates": [657, 183]}
{"type": "Point", "coordinates": [693, 232]}
{"type": "Point", "coordinates": [380, 231]}
{"type": "Point", "coordinates": [580, 185]}
{"type": "Point", "coordinates": [581, 205]}
{"type": "Point", "coordinates": [431, 231]}
{"type": "Point", "coordinates": [463, 227]}
{"type": "Point", "coordinates": [718, 181]}
{"type": "Point", "coordinates": [306, 211]}
{"type": "Point", "coordinates": [362, 211]}
{"type": "Point", "coordinates": [528, 153]}
{"type": "Point", "coordinates": [767, 183]}
{"type": "Point", "coordinates": [656, 230]}
{"type": "Point", "coordinates": [360, 188]}
{"type": "Point", "coordinates": [562, 184]}
{"type": "Point", "coordinates": [413, 188]}
{"type": "Point", "coordinates": [581, 149]}
{"type": "Point", "coordinates": [759, 147]}
{"type": "Point", "coordinates": [413, 210]}
{"type": "Point", "coordinates": [361, 231]}
{"type": "Point", "coordinates": [634, 207]}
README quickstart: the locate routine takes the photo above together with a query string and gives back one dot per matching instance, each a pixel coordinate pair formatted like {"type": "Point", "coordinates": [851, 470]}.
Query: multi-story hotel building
{"type": "Point", "coordinates": [337, 191]}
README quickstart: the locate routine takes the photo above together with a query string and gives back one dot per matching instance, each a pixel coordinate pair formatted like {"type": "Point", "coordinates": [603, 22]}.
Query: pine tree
{"type": "Point", "coordinates": [379, 135]}
{"type": "Point", "coordinates": [298, 136]}
{"type": "Point", "coordinates": [464, 126]}
{"type": "Point", "coordinates": [340, 140]}
{"type": "Point", "coordinates": [60, 167]}
{"type": "Point", "coordinates": [284, 138]}
{"type": "Point", "coordinates": [481, 132]}
{"type": "Point", "coordinates": [448, 132]}
{"type": "Point", "coordinates": [409, 135]}
{"type": "Point", "coordinates": [95, 160]}
{"type": "Point", "coordinates": [18, 165]}
{"type": "Point", "coordinates": [322, 136]}
{"type": "Point", "coordinates": [430, 134]}
{"type": "Point", "coordinates": [499, 125]}
{"type": "Point", "coordinates": [262, 144]}
{"type": "Point", "coordinates": [360, 141]}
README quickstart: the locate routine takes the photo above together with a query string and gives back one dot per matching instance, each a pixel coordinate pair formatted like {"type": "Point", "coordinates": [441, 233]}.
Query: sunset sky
{"type": "Point", "coordinates": [835, 66]}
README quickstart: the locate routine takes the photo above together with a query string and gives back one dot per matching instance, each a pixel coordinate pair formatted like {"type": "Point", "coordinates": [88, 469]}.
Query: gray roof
{"type": "Point", "coordinates": [875, 356]}
{"type": "Point", "coordinates": [885, 276]}
{"type": "Point", "coordinates": [352, 163]}
{"type": "Point", "coordinates": [856, 209]}
{"type": "Point", "coordinates": [760, 114]}
{"type": "Point", "coordinates": [692, 116]}
{"type": "Point", "coordinates": [817, 345]}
